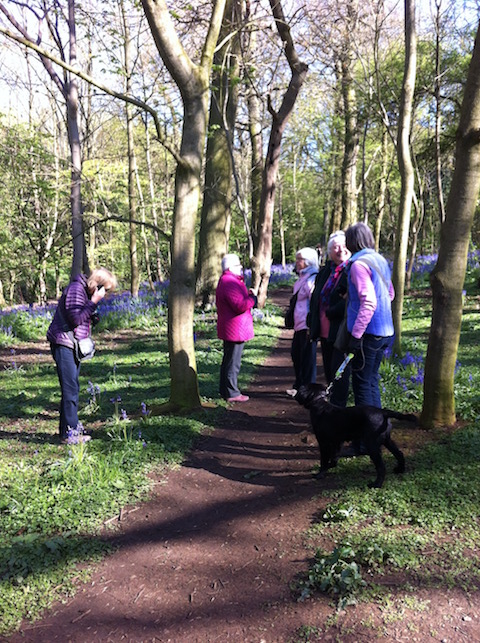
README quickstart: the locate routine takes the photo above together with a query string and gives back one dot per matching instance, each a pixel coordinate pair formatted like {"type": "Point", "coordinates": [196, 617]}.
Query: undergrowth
{"type": "Point", "coordinates": [56, 500]}
{"type": "Point", "coordinates": [421, 527]}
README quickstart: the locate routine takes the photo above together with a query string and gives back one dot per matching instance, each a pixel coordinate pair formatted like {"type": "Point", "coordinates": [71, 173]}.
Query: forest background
{"type": "Point", "coordinates": [319, 114]}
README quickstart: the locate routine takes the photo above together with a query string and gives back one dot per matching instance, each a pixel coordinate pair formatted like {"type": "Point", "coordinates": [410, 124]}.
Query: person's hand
{"type": "Point", "coordinates": [254, 292]}
{"type": "Point", "coordinates": [355, 345]}
{"type": "Point", "coordinates": [99, 294]}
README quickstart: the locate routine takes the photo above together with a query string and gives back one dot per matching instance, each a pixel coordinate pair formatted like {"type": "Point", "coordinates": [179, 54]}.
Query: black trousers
{"type": "Point", "coordinates": [230, 368]}
{"type": "Point", "coordinates": [304, 357]}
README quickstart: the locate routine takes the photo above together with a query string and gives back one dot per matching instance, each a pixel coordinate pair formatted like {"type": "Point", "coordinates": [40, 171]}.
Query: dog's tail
{"type": "Point", "coordinates": [406, 417]}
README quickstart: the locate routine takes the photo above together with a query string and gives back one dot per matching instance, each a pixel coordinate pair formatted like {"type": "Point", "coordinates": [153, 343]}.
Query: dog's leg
{"type": "Point", "coordinates": [327, 459]}
{"type": "Point", "coordinates": [376, 457]}
{"type": "Point", "coordinates": [392, 447]}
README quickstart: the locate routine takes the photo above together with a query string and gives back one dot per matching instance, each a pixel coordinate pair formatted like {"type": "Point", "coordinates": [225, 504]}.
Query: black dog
{"type": "Point", "coordinates": [334, 425]}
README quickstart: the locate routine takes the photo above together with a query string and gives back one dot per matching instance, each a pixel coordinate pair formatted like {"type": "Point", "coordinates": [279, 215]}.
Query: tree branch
{"type": "Point", "coordinates": [123, 97]}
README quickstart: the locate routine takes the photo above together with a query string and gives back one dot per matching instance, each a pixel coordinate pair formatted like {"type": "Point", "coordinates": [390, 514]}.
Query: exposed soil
{"type": "Point", "coordinates": [211, 556]}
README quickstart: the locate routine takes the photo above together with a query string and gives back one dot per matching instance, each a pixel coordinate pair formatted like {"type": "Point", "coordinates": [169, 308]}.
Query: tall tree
{"type": "Point", "coordinates": [448, 276]}
{"type": "Point", "coordinates": [262, 259]}
{"type": "Point", "coordinates": [192, 81]}
{"type": "Point", "coordinates": [132, 161]}
{"type": "Point", "coordinates": [406, 169]}
{"type": "Point", "coordinates": [217, 195]}
{"type": "Point", "coordinates": [255, 133]}
{"type": "Point", "coordinates": [68, 87]}
{"type": "Point", "coordinates": [351, 135]}
{"type": "Point", "coordinates": [438, 116]}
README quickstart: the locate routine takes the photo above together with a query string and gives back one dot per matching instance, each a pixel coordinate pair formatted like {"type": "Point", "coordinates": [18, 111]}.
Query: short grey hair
{"type": "Point", "coordinates": [230, 260]}
{"type": "Point", "coordinates": [309, 255]}
{"type": "Point", "coordinates": [336, 237]}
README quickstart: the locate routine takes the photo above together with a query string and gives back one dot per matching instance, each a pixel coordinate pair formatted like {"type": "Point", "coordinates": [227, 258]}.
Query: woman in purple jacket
{"type": "Point", "coordinates": [76, 311]}
{"type": "Point", "coordinates": [234, 324]}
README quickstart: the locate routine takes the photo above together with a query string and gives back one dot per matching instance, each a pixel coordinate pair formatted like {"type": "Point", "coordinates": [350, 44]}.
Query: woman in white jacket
{"type": "Point", "coordinates": [304, 351]}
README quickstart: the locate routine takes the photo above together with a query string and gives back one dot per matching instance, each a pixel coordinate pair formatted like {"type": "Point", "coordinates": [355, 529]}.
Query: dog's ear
{"type": "Point", "coordinates": [292, 392]}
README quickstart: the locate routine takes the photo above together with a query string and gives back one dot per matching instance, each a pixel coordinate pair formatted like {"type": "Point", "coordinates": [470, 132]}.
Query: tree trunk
{"type": "Point", "coordinates": [281, 228]}
{"type": "Point", "coordinates": [262, 259]}
{"type": "Point", "coordinates": [146, 251]}
{"type": "Point", "coordinates": [217, 195]}
{"type": "Point", "coordinates": [193, 83]}
{"type": "Point", "coordinates": [256, 142]}
{"type": "Point", "coordinates": [448, 276]}
{"type": "Point", "coordinates": [419, 207]}
{"type": "Point", "coordinates": [406, 170]}
{"type": "Point", "coordinates": [80, 259]}
{"type": "Point", "coordinates": [438, 115]}
{"type": "Point", "coordinates": [181, 300]}
{"type": "Point", "coordinates": [351, 146]}
{"type": "Point", "coordinates": [382, 191]}
{"type": "Point", "coordinates": [132, 169]}
{"type": "Point", "coordinates": [335, 163]}
{"type": "Point", "coordinates": [151, 188]}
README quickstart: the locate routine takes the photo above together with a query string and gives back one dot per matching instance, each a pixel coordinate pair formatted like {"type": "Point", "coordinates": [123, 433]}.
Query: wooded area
{"type": "Point", "coordinates": [288, 119]}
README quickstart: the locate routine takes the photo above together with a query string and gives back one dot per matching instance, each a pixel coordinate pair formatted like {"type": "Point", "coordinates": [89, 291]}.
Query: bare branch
{"type": "Point", "coordinates": [46, 56]}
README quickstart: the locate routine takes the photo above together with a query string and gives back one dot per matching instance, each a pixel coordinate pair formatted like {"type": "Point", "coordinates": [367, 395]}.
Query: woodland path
{"type": "Point", "coordinates": [211, 556]}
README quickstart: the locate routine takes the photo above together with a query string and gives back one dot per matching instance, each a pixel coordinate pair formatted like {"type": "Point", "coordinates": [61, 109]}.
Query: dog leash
{"type": "Point", "coordinates": [339, 373]}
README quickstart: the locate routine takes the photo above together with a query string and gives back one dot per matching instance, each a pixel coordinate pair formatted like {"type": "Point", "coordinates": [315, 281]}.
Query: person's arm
{"type": "Point", "coordinates": [391, 292]}
{"type": "Point", "coordinates": [361, 279]}
{"type": "Point", "coordinates": [239, 298]}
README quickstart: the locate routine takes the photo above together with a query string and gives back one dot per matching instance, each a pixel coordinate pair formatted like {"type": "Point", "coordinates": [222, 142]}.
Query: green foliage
{"type": "Point", "coordinates": [395, 526]}
{"type": "Point", "coordinates": [336, 574]}
{"type": "Point", "coordinates": [23, 325]}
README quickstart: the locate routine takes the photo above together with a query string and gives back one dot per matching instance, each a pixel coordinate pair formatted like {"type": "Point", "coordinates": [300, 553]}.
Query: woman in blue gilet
{"type": "Point", "coordinates": [369, 313]}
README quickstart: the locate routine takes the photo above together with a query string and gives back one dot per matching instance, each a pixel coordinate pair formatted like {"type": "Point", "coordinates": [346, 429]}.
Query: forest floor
{"type": "Point", "coordinates": [211, 556]}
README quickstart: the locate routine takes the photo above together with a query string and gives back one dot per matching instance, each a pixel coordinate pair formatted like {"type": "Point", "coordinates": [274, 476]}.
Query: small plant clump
{"type": "Point", "coordinates": [336, 574]}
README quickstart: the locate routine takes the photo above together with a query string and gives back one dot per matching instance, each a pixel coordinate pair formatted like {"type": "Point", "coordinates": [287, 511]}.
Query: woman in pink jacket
{"type": "Point", "coordinates": [234, 324]}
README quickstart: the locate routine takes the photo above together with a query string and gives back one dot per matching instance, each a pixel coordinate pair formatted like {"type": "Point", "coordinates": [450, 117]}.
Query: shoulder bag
{"type": "Point", "coordinates": [289, 315]}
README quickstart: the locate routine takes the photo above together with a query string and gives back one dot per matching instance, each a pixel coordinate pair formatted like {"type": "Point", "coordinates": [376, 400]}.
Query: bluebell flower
{"type": "Point", "coordinates": [145, 412]}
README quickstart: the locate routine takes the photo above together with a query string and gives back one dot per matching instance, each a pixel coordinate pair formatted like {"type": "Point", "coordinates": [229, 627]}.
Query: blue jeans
{"type": "Point", "coordinates": [365, 367]}
{"type": "Point", "coordinates": [68, 370]}
{"type": "Point", "coordinates": [230, 368]}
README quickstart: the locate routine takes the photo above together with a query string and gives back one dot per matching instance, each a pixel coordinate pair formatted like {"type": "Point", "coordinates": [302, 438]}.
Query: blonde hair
{"type": "Point", "coordinates": [101, 277]}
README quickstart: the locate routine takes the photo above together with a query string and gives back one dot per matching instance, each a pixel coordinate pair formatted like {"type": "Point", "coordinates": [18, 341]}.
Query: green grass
{"type": "Point", "coordinates": [421, 528]}
{"type": "Point", "coordinates": [55, 499]}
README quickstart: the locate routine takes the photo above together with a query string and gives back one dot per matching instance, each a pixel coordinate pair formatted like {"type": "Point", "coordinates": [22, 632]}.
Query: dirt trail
{"type": "Point", "coordinates": [211, 556]}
